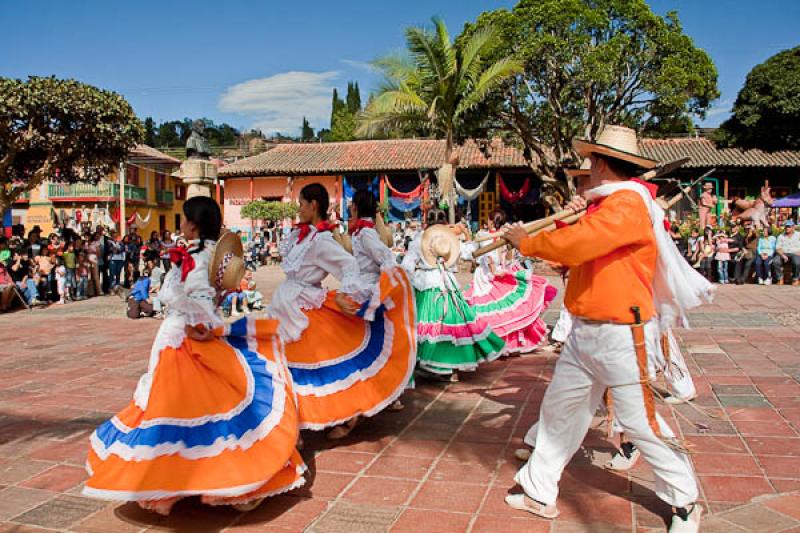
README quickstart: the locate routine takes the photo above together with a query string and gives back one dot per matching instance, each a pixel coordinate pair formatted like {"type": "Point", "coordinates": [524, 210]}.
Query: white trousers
{"type": "Point", "coordinates": [595, 357]}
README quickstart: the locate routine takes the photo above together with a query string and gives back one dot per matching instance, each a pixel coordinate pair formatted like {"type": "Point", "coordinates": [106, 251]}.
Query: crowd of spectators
{"type": "Point", "coordinates": [736, 252]}
{"type": "Point", "coordinates": [67, 266]}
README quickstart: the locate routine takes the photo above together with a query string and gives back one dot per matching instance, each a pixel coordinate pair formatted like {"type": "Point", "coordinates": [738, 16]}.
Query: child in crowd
{"type": "Point", "coordinates": [61, 281]}
{"type": "Point", "coordinates": [723, 256]}
{"type": "Point", "coordinates": [83, 272]}
{"type": "Point", "coordinates": [253, 297]}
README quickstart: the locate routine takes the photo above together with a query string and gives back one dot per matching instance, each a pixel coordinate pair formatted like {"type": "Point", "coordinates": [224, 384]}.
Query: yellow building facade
{"type": "Point", "coordinates": [153, 197]}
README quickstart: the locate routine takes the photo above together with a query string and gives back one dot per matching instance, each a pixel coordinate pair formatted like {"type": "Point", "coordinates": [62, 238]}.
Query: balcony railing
{"type": "Point", "coordinates": [103, 189]}
{"type": "Point", "coordinates": [24, 197]}
{"type": "Point", "coordinates": [165, 197]}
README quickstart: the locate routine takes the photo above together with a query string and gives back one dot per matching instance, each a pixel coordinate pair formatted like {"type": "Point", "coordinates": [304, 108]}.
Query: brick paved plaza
{"type": "Point", "coordinates": [442, 465]}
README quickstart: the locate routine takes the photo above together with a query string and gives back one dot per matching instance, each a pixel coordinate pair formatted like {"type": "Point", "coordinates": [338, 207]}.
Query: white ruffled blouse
{"type": "Point", "coordinates": [372, 255]}
{"type": "Point", "coordinates": [189, 302]}
{"type": "Point", "coordinates": [306, 264]}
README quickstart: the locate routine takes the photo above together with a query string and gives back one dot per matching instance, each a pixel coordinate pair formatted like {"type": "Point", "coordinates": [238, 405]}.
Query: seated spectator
{"type": "Point", "coordinates": [253, 297]}
{"type": "Point", "coordinates": [764, 254]}
{"type": "Point", "coordinates": [7, 288]}
{"type": "Point", "coordinates": [787, 250]}
{"type": "Point", "coordinates": [139, 303]}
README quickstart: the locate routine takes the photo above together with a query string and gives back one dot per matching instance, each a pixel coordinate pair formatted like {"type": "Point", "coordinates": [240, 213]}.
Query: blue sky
{"type": "Point", "coordinates": [268, 63]}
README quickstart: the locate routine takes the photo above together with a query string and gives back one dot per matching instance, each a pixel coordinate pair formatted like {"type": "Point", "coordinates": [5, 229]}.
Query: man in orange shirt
{"type": "Point", "coordinates": [620, 286]}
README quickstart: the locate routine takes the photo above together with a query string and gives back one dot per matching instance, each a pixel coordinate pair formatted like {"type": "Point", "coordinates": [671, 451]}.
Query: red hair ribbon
{"type": "Point", "coordinates": [180, 256]}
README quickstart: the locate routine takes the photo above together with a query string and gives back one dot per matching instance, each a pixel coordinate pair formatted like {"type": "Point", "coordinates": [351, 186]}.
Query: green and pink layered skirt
{"type": "Point", "coordinates": [512, 304]}
{"type": "Point", "coordinates": [449, 335]}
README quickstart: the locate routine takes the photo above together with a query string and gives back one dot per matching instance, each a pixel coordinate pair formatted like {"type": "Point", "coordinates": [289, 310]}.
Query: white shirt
{"type": "Point", "coordinates": [789, 244]}
{"type": "Point", "coordinates": [306, 264]}
{"type": "Point", "coordinates": [371, 254]}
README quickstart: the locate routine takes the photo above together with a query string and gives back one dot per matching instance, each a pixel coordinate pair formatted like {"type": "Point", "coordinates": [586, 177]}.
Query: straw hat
{"type": "Point", "coordinates": [584, 170]}
{"type": "Point", "coordinates": [226, 268]}
{"type": "Point", "coordinates": [438, 241]}
{"type": "Point", "coordinates": [618, 142]}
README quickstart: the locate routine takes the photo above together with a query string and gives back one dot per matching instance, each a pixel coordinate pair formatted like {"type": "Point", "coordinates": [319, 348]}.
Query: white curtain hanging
{"type": "Point", "coordinates": [144, 221]}
{"type": "Point", "coordinates": [471, 194]}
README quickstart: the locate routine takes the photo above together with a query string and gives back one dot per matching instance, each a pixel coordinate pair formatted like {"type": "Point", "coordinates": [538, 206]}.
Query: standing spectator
{"type": "Point", "coordinates": [764, 254]}
{"type": "Point", "coordinates": [787, 250]}
{"type": "Point", "coordinates": [61, 281]}
{"type": "Point", "coordinates": [44, 274]}
{"type": "Point", "coordinates": [83, 272]}
{"type": "Point", "coordinates": [116, 256]}
{"type": "Point", "coordinates": [166, 243]}
{"type": "Point", "coordinates": [94, 253]}
{"type": "Point", "coordinates": [70, 264]}
{"type": "Point", "coordinates": [723, 256]}
{"type": "Point", "coordinates": [104, 259]}
{"type": "Point", "coordinates": [153, 249]}
{"type": "Point", "coordinates": [745, 242]}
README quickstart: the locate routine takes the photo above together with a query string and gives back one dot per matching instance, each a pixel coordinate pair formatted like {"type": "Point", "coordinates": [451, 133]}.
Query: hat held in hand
{"type": "Point", "coordinates": [439, 242]}
{"type": "Point", "coordinates": [226, 269]}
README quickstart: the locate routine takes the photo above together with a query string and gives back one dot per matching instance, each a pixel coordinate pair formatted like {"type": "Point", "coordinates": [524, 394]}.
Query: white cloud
{"type": "Point", "coordinates": [279, 103]}
{"type": "Point", "coordinates": [363, 65]}
{"type": "Point", "coordinates": [722, 108]}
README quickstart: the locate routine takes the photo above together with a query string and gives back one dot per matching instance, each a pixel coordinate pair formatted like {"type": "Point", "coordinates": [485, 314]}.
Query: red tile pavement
{"type": "Point", "coordinates": [444, 464]}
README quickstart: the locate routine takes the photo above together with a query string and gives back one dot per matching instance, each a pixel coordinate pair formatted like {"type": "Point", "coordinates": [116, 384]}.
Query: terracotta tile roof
{"type": "Point", "coordinates": [368, 156]}
{"type": "Point", "coordinates": [704, 153]}
{"type": "Point", "coordinates": [145, 153]}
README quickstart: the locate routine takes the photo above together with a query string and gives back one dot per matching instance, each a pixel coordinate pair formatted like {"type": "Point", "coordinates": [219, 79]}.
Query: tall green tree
{"type": "Point", "coordinates": [337, 104]}
{"type": "Point", "coordinates": [149, 131]}
{"type": "Point", "coordinates": [353, 98]}
{"type": "Point", "coordinates": [168, 134]}
{"type": "Point", "coordinates": [766, 113]}
{"type": "Point", "coordinates": [436, 86]}
{"type": "Point", "coordinates": [588, 63]}
{"type": "Point", "coordinates": [307, 133]}
{"type": "Point", "coordinates": [60, 130]}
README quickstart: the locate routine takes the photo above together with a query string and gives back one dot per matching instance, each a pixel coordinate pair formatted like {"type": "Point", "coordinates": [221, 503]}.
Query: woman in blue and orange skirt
{"type": "Point", "coordinates": [214, 416]}
{"type": "Point", "coordinates": [510, 298]}
{"type": "Point", "coordinates": [350, 352]}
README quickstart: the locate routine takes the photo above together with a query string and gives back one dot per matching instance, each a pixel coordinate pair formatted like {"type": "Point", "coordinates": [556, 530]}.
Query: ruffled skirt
{"type": "Point", "coordinates": [450, 335]}
{"type": "Point", "coordinates": [220, 422]}
{"type": "Point", "coordinates": [512, 304]}
{"type": "Point", "coordinates": [344, 366]}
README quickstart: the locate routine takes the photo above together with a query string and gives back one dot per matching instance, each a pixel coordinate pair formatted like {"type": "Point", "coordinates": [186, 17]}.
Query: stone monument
{"type": "Point", "coordinates": [197, 171]}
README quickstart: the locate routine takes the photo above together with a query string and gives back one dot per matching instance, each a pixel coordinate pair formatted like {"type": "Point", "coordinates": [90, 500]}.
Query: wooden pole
{"type": "Point", "coordinates": [122, 199]}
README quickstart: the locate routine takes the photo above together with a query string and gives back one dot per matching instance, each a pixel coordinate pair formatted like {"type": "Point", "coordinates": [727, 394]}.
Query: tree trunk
{"type": "Point", "coordinates": [450, 193]}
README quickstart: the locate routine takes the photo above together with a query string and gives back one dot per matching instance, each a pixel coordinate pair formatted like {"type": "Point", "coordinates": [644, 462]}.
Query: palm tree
{"type": "Point", "coordinates": [433, 88]}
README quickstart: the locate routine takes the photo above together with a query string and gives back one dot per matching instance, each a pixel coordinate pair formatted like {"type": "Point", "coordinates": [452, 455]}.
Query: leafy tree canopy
{"type": "Point", "coordinates": [588, 63]}
{"type": "Point", "coordinates": [767, 110]}
{"type": "Point", "coordinates": [269, 210]}
{"type": "Point", "coordinates": [60, 130]}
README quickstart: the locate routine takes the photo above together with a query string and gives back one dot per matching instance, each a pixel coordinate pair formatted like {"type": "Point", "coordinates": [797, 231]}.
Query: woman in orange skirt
{"type": "Point", "coordinates": [350, 352]}
{"type": "Point", "coordinates": [214, 416]}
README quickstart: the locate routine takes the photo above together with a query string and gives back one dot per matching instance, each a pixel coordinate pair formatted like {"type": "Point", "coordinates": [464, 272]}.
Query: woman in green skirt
{"type": "Point", "coordinates": [450, 338]}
